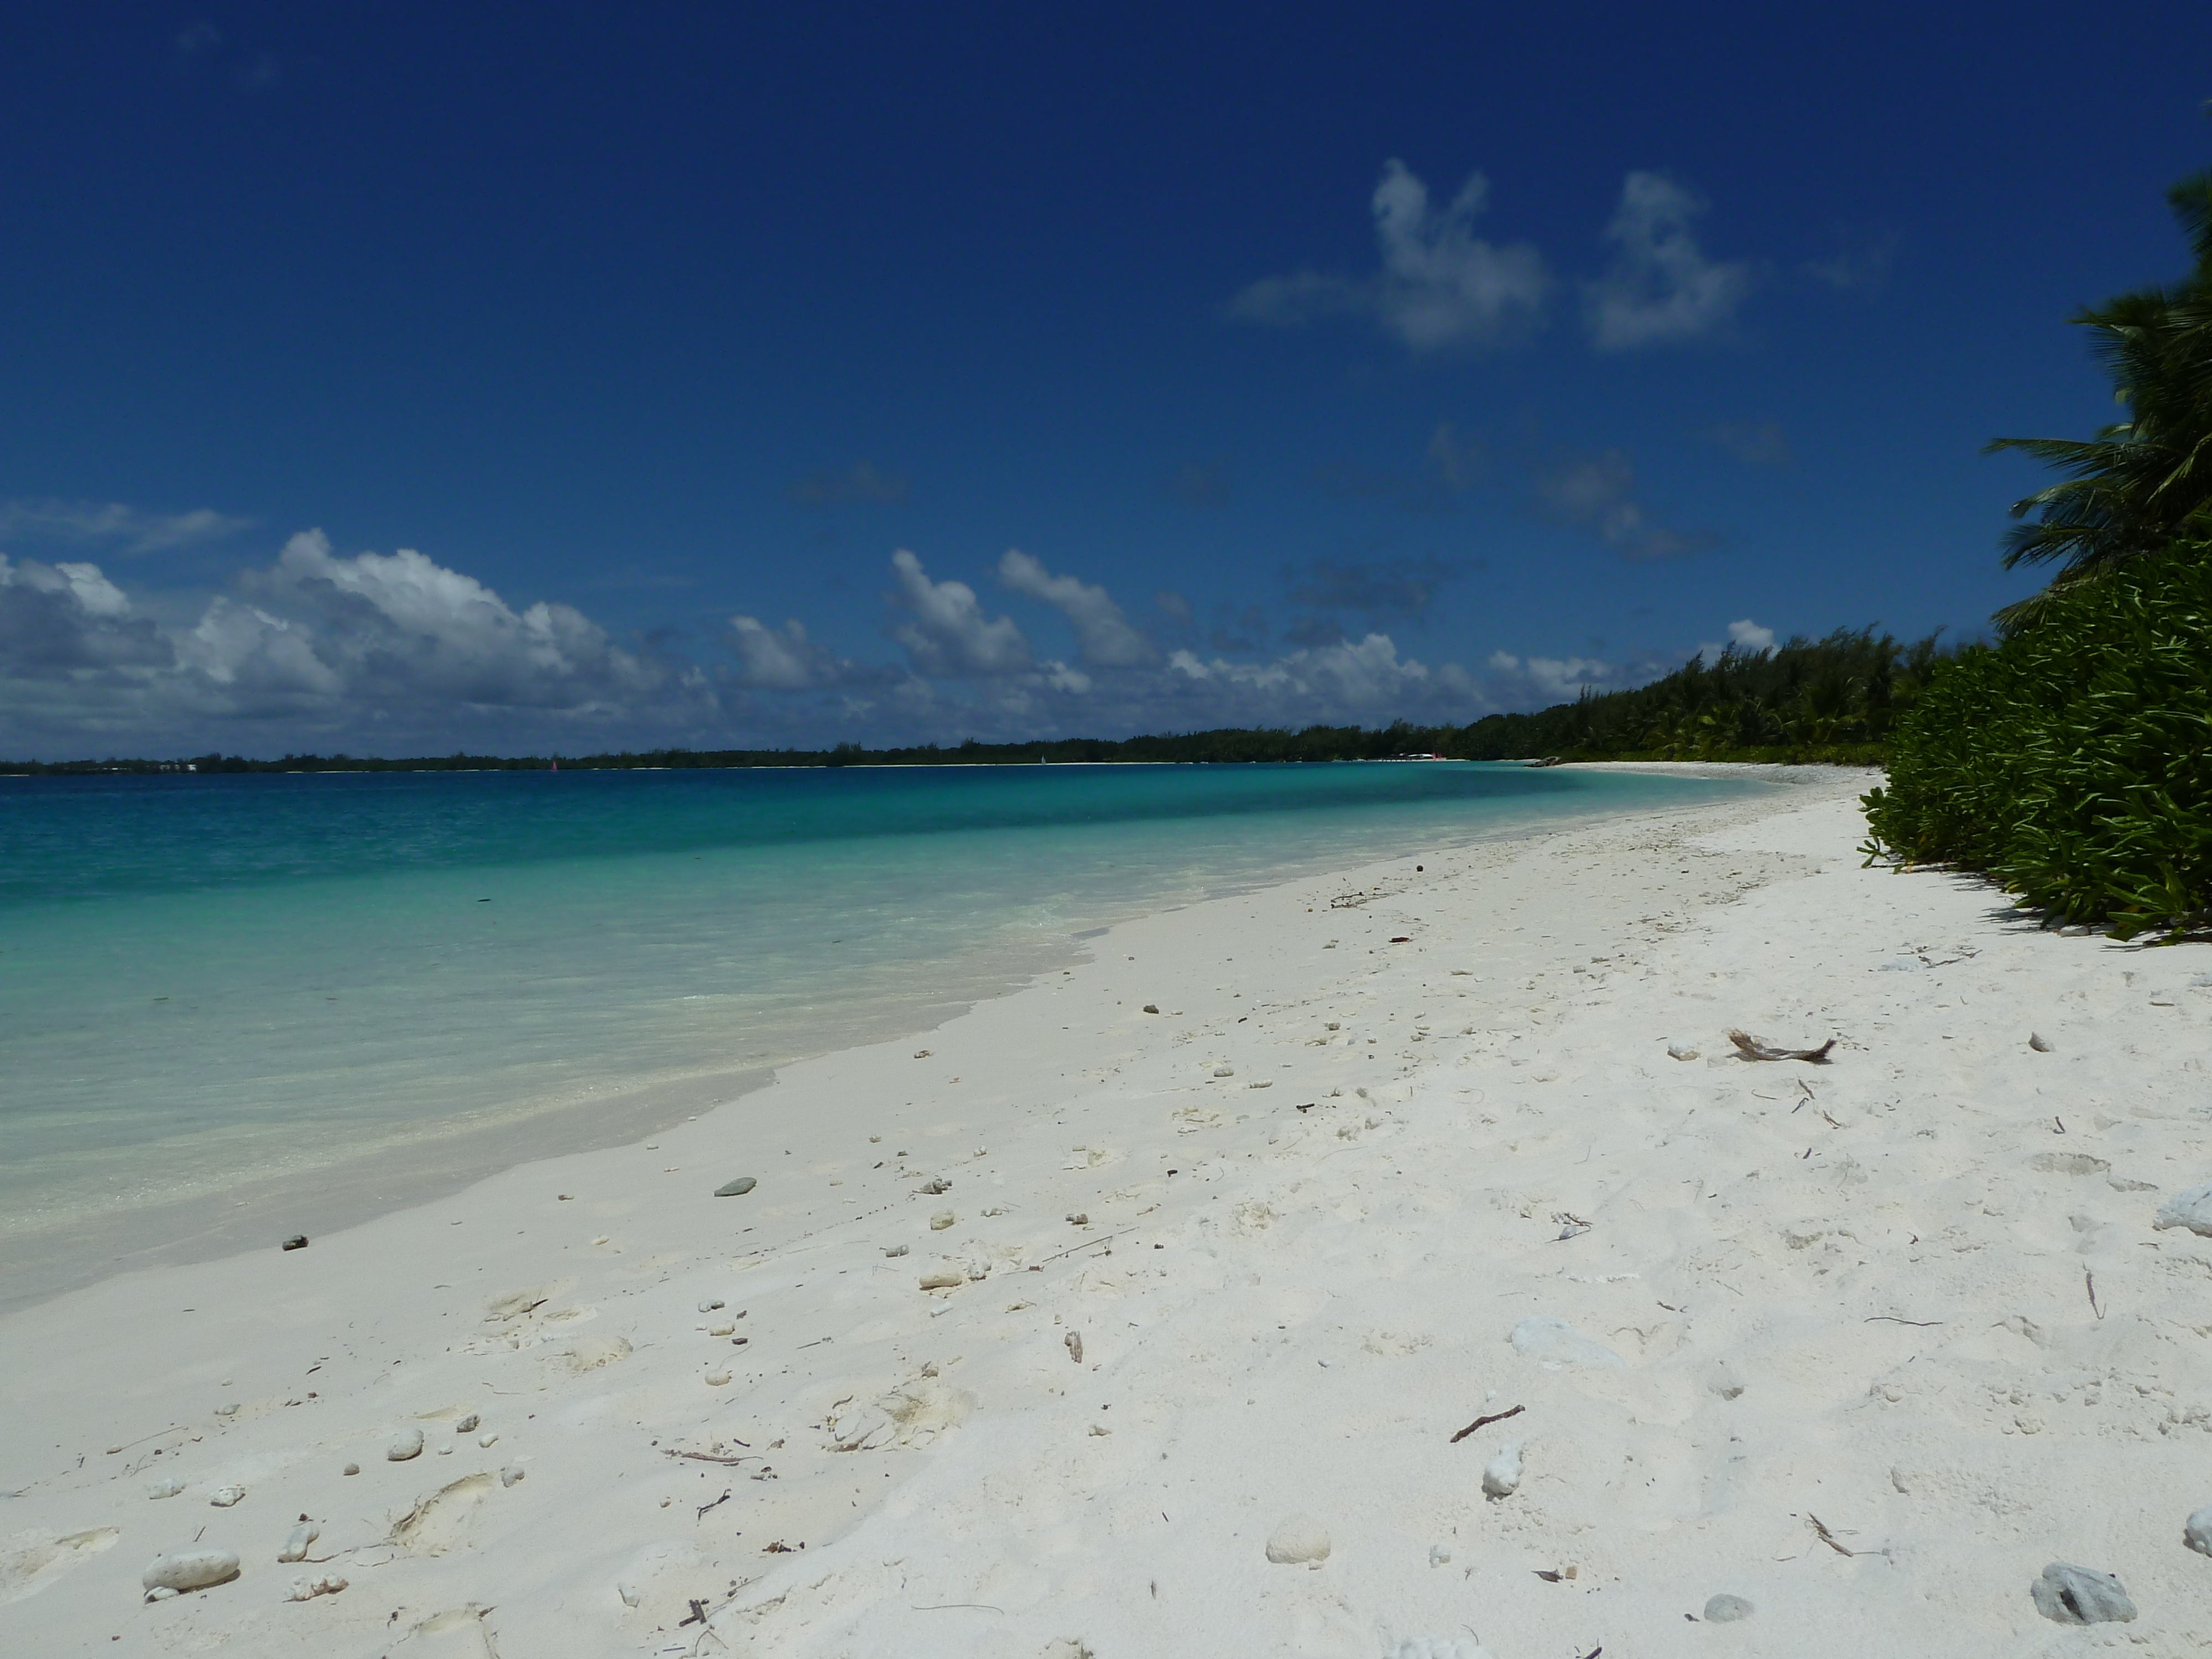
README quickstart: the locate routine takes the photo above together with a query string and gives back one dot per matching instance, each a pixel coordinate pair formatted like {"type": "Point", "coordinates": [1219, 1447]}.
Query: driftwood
{"type": "Point", "coordinates": [1752, 1048]}
{"type": "Point", "coordinates": [1484, 1422]}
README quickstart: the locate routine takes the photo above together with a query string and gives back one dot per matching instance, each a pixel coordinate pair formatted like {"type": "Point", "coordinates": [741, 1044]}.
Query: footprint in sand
{"type": "Point", "coordinates": [442, 1521]}
{"type": "Point", "coordinates": [31, 1561]}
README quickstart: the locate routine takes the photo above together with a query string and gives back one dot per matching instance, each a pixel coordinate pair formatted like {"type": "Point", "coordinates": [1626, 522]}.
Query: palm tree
{"type": "Point", "coordinates": [2144, 483]}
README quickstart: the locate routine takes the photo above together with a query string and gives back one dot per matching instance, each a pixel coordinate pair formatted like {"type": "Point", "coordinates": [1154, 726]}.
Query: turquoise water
{"type": "Point", "coordinates": [208, 981]}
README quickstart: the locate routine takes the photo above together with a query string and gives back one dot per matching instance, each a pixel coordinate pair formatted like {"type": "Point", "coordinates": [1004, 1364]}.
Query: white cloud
{"type": "Point", "coordinates": [59, 618]}
{"type": "Point", "coordinates": [1662, 289]}
{"type": "Point", "coordinates": [1544, 680]}
{"type": "Point", "coordinates": [1102, 634]}
{"type": "Point", "coordinates": [126, 529]}
{"type": "Point", "coordinates": [1440, 284]}
{"type": "Point", "coordinates": [945, 630]}
{"type": "Point", "coordinates": [1597, 493]}
{"type": "Point", "coordinates": [1350, 679]}
{"type": "Point", "coordinates": [1745, 636]}
{"type": "Point", "coordinates": [780, 659]}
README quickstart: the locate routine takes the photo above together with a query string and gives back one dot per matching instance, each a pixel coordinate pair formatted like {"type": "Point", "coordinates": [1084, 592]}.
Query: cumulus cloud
{"type": "Point", "coordinates": [1349, 679]}
{"type": "Point", "coordinates": [1440, 284]}
{"type": "Point", "coordinates": [125, 530]}
{"type": "Point", "coordinates": [1597, 493]}
{"type": "Point", "coordinates": [1660, 288]}
{"type": "Point", "coordinates": [863, 481]}
{"type": "Point", "coordinates": [1519, 680]}
{"type": "Point", "coordinates": [1103, 637]}
{"type": "Point", "coordinates": [1745, 637]}
{"type": "Point", "coordinates": [944, 628]}
{"type": "Point", "coordinates": [780, 659]}
{"type": "Point", "coordinates": [55, 619]}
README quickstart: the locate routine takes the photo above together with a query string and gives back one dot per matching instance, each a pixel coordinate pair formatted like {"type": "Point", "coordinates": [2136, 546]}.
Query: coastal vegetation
{"type": "Point", "coordinates": [2072, 762]}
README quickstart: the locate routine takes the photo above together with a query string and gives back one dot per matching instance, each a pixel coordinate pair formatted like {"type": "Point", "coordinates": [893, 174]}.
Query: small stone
{"type": "Point", "coordinates": [894, 1249]}
{"type": "Point", "coordinates": [510, 1475]}
{"type": "Point", "coordinates": [2040, 1044]}
{"type": "Point", "coordinates": [307, 1589]}
{"type": "Point", "coordinates": [302, 1539]}
{"type": "Point", "coordinates": [165, 1488]}
{"type": "Point", "coordinates": [1300, 1541]}
{"type": "Point", "coordinates": [1079, 1219]}
{"type": "Point", "coordinates": [941, 1220]}
{"type": "Point", "coordinates": [717, 1379]}
{"type": "Point", "coordinates": [1073, 1341]}
{"type": "Point", "coordinates": [297, 1242]}
{"type": "Point", "coordinates": [711, 1307]}
{"type": "Point", "coordinates": [1224, 1071]}
{"type": "Point", "coordinates": [487, 1440]}
{"type": "Point", "coordinates": [1726, 1610]}
{"type": "Point", "coordinates": [223, 1498]}
{"type": "Point", "coordinates": [2191, 1209]}
{"type": "Point", "coordinates": [1501, 1476]}
{"type": "Point", "coordinates": [932, 1189]}
{"type": "Point", "coordinates": [1439, 1556]}
{"type": "Point", "coordinates": [1680, 1051]}
{"type": "Point", "coordinates": [1151, 1007]}
{"type": "Point", "coordinates": [2069, 1595]}
{"type": "Point", "coordinates": [2196, 1531]}
{"type": "Point", "coordinates": [941, 1281]}
{"type": "Point", "coordinates": [407, 1443]}
{"type": "Point", "coordinates": [737, 1188]}
{"type": "Point", "coordinates": [467, 1424]}
{"type": "Point", "coordinates": [230, 1410]}
{"type": "Point", "coordinates": [351, 1468]}
{"type": "Point", "coordinates": [721, 1327]}
{"type": "Point", "coordinates": [191, 1569]}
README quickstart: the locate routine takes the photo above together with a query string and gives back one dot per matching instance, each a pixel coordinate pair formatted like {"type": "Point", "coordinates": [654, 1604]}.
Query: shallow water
{"type": "Point", "coordinates": [206, 982]}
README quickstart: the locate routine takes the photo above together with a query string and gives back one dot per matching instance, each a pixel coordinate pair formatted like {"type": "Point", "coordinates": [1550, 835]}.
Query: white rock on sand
{"type": "Point", "coordinates": [1856, 1291]}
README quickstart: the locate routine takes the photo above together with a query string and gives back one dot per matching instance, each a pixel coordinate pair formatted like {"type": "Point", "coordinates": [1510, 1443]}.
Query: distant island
{"type": "Point", "coordinates": [1835, 699]}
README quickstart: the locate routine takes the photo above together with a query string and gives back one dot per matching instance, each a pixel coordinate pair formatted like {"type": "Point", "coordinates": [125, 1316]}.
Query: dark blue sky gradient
{"type": "Point", "coordinates": [572, 296]}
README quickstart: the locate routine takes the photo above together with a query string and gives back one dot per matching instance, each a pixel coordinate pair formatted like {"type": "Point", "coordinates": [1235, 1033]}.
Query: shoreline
{"type": "Point", "coordinates": [1301, 1257]}
{"type": "Point", "coordinates": [139, 1231]}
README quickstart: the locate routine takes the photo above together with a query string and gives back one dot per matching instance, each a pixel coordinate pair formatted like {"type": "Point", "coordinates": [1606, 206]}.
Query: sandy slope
{"type": "Point", "coordinates": [1321, 1189]}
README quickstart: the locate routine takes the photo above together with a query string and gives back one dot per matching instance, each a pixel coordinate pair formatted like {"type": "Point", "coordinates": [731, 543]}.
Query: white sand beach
{"type": "Point", "coordinates": [1866, 1344]}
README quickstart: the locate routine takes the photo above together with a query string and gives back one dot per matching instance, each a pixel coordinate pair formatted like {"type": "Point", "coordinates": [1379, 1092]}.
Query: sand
{"type": "Point", "coordinates": [1865, 1345]}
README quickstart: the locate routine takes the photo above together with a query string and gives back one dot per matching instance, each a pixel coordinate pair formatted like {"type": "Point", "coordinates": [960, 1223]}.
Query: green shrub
{"type": "Point", "coordinates": [2073, 763]}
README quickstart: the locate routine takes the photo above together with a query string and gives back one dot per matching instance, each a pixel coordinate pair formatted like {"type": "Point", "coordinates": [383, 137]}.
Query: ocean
{"type": "Point", "coordinates": [209, 984]}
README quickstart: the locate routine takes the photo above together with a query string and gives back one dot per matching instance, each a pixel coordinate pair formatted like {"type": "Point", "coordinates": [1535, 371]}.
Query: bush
{"type": "Point", "coordinates": [2073, 763]}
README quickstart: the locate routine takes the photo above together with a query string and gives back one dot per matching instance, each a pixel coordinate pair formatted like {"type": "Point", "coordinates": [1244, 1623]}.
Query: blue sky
{"type": "Point", "coordinates": [395, 378]}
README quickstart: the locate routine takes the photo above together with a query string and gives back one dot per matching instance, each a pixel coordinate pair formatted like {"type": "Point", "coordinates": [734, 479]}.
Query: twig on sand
{"type": "Point", "coordinates": [1821, 1531]}
{"type": "Point", "coordinates": [716, 1504]}
{"type": "Point", "coordinates": [705, 1457]}
{"type": "Point", "coordinates": [1892, 1319]}
{"type": "Point", "coordinates": [1107, 1239]}
{"type": "Point", "coordinates": [943, 1606]}
{"type": "Point", "coordinates": [2090, 1280]}
{"type": "Point", "coordinates": [1484, 1422]}
{"type": "Point", "coordinates": [1752, 1048]}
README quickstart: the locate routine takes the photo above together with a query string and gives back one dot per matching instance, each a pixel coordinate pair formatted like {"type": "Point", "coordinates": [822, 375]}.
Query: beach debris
{"type": "Point", "coordinates": [943, 1279]}
{"type": "Point", "coordinates": [1752, 1048]}
{"type": "Point", "coordinates": [223, 1498]}
{"type": "Point", "coordinates": [165, 1488]}
{"type": "Point", "coordinates": [721, 1327]}
{"type": "Point", "coordinates": [467, 1424]}
{"type": "Point", "coordinates": [407, 1443]}
{"type": "Point", "coordinates": [510, 1473]}
{"type": "Point", "coordinates": [1224, 1071]}
{"type": "Point", "coordinates": [921, 1053]}
{"type": "Point", "coordinates": [894, 1249]}
{"type": "Point", "coordinates": [2196, 1531]}
{"type": "Point", "coordinates": [1079, 1219]}
{"type": "Point", "coordinates": [2191, 1209]}
{"type": "Point", "coordinates": [297, 1242]}
{"type": "Point", "coordinates": [301, 1541]}
{"type": "Point", "coordinates": [2040, 1044]}
{"type": "Point", "coordinates": [1074, 1341]}
{"type": "Point", "coordinates": [1486, 1421]}
{"type": "Point", "coordinates": [1301, 1541]}
{"type": "Point", "coordinates": [717, 1379]}
{"type": "Point", "coordinates": [941, 1220]}
{"type": "Point", "coordinates": [487, 1441]}
{"type": "Point", "coordinates": [1553, 1343]}
{"type": "Point", "coordinates": [1726, 1610]}
{"type": "Point", "coordinates": [1439, 1556]}
{"type": "Point", "coordinates": [931, 1189]}
{"type": "Point", "coordinates": [351, 1468]}
{"type": "Point", "coordinates": [714, 1306]}
{"type": "Point", "coordinates": [1151, 1007]}
{"type": "Point", "coordinates": [1501, 1476]}
{"type": "Point", "coordinates": [1680, 1051]}
{"type": "Point", "coordinates": [2068, 1594]}
{"type": "Point", "coordinates": [737, 1188]}
{"type": "Point", "coordinates": [189, 1569]}
{"type": "Point", "coordinates": [305, 1588]}
{"type": "Point", "coordinates": [1402, 938]}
